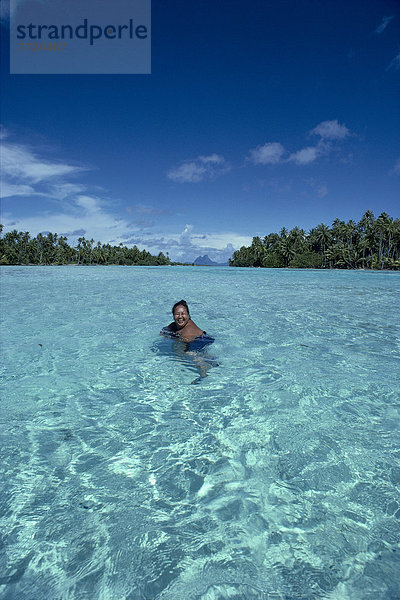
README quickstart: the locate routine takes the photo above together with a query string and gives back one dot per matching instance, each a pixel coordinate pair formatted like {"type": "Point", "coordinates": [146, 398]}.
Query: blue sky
{"type": "Point", "coordinates": [257, 115]}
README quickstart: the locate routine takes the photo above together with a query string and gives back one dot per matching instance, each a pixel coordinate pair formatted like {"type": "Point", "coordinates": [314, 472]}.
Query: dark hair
{"type": "Point", "coordinates": [180, 303]}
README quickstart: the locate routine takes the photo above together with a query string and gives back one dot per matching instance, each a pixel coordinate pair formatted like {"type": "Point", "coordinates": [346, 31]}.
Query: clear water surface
{"type": "Point", "coordinates": [274, 477]}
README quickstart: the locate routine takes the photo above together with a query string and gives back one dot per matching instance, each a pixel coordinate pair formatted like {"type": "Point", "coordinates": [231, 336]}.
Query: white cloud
{"type": "Point", "coordinates": [212, 159]}
{"type": "Point", "coordinates": [219, 246]}
{"type": "Point", "coordinates": [221, 240]}
{"type": "Point", "coordinates": [331, 130]}
{"type": "Point", "coordinates": [144, 209]}
{"type": "Point", "coordinates": [395, 63]}
{"type": "Point", "coordinates": [99, 225]}
{"type": "Point", "coordinates": [185, 237]}
{"type": "Point", "coordinates": [18, 162]}
{"type": "Point", "coordinates": [89, 203]}
{"type": "Point", "coordinates": [322, 191]}
{"type": "Point", "coordinates": [199, 169]}
{"type": "Point", "coordinates": [269, 153]}
{"type": "Point", "coordinates": [75, 211]}
{"type": "Point", "coordinates": [9, 190]}
{"type": "Point", "coordinates": [304, 156]}
{"type": "Point", "coordinates": [61, 191]}
{"type": "Point", "coordinates": [187, 173]}
{"type": "Point", "coordinates": [25, 173]}
{"type": "Point", "coordinates": [396, 168]}
{"type": "Point", "coordinates": [384, 23]}
{"type": "Point", "coordinates": [273, 152]}
{"type": "Point", "coordinates": [188, 245]}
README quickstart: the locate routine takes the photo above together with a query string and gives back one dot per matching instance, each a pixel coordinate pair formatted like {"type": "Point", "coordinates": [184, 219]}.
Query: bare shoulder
{"type": "Point", "coordinates": [194, 330]}
{"type": "Point", "coordinates": [190, 331]}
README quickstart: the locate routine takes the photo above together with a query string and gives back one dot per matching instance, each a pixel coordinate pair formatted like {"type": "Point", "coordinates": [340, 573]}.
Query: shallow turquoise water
{"type": "Point", "coordinates": [275, 476]}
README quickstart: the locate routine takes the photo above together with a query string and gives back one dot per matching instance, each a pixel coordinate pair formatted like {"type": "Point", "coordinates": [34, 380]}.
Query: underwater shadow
{"type": "Point", "coordinates": [194, 355]}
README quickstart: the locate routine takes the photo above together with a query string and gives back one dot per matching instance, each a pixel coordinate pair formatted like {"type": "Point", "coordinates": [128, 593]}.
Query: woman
{"type": "Point", "coordinates": [183, 329]}
{"type": "Point", "coordinates": [183, 326]}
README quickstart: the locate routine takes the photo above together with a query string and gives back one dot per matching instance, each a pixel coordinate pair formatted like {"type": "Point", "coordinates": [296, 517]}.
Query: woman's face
{"type": "Point", "coordinates": [181, 316]}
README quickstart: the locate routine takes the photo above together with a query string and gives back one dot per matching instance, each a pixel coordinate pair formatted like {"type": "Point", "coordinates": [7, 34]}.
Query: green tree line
{"type": "Point", "coordinates": [369, 244]}
{"type": "Point", "coordinates": [19, 248]}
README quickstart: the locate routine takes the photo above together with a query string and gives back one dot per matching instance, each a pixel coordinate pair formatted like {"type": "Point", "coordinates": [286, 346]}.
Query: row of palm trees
{"type": "Point", "coordinates": [369, 244]}
{"type": "Point", "coordinates": [19, 248]}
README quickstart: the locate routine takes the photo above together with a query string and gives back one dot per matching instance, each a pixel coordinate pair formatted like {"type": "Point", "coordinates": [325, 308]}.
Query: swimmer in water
{"type": "Point", "coordinates": [182, 325]}
{"type": "Point", "coordinates": [183, 329]}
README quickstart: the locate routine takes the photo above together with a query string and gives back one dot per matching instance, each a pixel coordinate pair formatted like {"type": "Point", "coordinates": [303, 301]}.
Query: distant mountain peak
{"type": "Point", "coordinates": [206, 261]}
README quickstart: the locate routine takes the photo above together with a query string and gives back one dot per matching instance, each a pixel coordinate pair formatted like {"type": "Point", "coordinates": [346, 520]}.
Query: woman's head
{"type": "Point", "coordinates": [180, 303]}
{"type": "Point", "coordinates": [180, 310]}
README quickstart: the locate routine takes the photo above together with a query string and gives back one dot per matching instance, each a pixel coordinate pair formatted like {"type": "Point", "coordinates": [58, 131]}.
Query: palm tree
{"type": "Point", "coordinates": [321, 237]}
{"type": "Point", "coordinates": [366, 241]}
{"type": "Point", "coordinates": [23, 256]}
{"type": "Point", "coordinates": [381, 226]}
{"type": "Point", "coordinates": [258, 251]}
{"type": "Point", "coordinates": [297, 239]}
{"type": "Point", "coordinates": [286, 251]}
{"type": "Point", "coordinates": [90, 247]}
